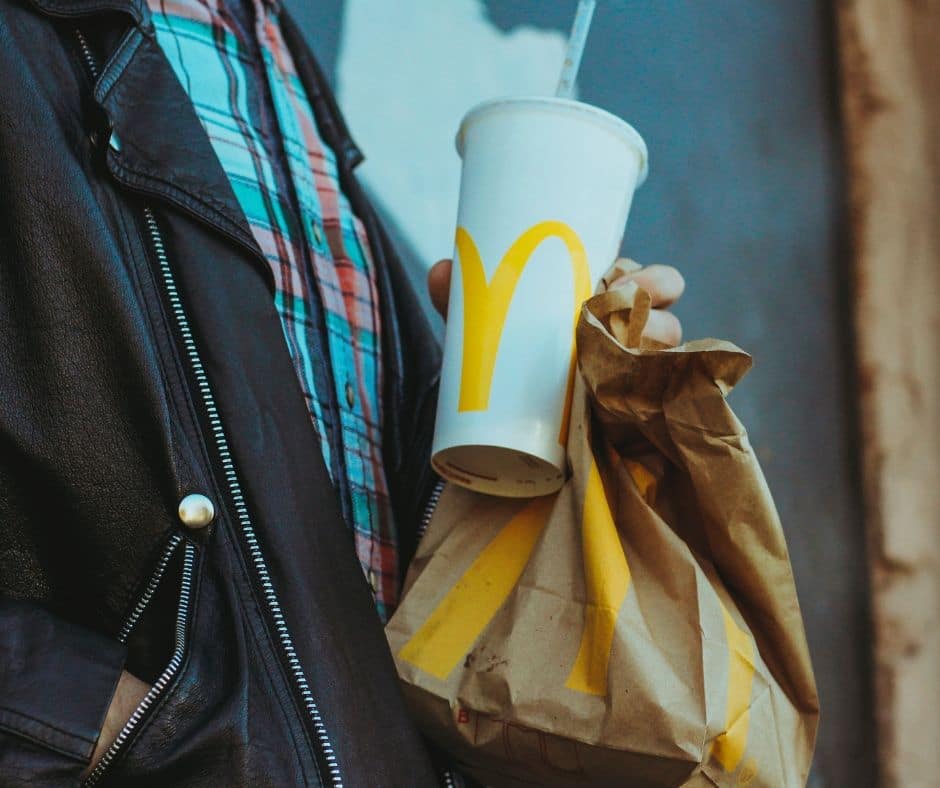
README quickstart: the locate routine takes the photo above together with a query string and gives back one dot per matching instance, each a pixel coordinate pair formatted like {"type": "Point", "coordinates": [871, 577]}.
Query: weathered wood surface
{"type": "Point", "coordinates": [890, 55]}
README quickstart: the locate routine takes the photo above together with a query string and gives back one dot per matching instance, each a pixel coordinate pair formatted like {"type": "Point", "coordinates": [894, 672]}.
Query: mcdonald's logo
{"type": "Point", "coordinates": [486, 305]}
{"type": "Point", "coordinates": [442, 642]}
{"type": "Point", "coordinates": [467, 609]}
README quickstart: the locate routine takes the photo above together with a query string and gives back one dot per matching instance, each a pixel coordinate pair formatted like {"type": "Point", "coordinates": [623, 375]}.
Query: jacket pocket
{"type": "Point", "coordinates": [178, 560]}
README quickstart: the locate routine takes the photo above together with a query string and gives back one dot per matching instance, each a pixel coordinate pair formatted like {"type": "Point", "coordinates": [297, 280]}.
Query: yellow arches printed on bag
{"type": "Point", "coordinates": [606, 580]}
{"type": "Point", "coordinates": [444, 639]}
{"type": "Point", "coordinates": [728, 748]}
{"type": "Point", "coordinates": [451, 630]}
{"type": "Point", "coordinates": [447, 636]}
{"type": "Point", "coordinates": [486, 306]}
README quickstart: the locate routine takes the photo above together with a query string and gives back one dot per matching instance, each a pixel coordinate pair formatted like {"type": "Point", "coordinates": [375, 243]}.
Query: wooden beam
{"type": "Point", "coordinates": [890, 56]}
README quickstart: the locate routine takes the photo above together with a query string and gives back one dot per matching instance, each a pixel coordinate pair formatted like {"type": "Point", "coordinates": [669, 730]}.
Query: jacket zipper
{"type": "Point", "coordinates": [165, 678]}
{"type": "Point", "coordinates": [90, 63]}
{"type": "Point", "coordinates": [430, 507]}
{"type": "Point", "coordinates": [151, 588]}
{"type": "Point", "coordinates": [238, 499]}
{"type": "Point", "coordinates": [234, 488]}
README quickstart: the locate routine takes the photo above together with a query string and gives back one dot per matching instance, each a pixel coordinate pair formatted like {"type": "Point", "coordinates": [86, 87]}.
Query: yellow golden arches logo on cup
{"type": "Point", "coordinates": [486, 305]}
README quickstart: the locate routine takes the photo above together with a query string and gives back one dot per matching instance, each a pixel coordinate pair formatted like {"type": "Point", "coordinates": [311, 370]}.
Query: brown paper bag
{"type": "Point", "coordinates": [641, 626]}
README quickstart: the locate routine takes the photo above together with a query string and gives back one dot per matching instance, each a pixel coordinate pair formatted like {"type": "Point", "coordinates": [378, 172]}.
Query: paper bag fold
{"type": "Point", "coordinates": [641, 626]}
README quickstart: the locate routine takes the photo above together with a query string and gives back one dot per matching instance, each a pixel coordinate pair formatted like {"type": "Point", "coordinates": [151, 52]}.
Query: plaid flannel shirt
{"type": "Point", "coordinates": [232, 61]}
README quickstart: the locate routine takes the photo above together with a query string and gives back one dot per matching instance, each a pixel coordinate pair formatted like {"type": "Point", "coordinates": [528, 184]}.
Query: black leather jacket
{"type": "Point", "coordinates": [142, 360]}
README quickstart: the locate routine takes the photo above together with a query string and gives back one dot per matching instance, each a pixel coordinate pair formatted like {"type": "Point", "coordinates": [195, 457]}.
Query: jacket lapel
{"type": "Point", "coordinates": [158, 146]}
{"type": "Point", "coordinates": [137, 9]}
{"type": "Point", "coordinates": [155, 144]}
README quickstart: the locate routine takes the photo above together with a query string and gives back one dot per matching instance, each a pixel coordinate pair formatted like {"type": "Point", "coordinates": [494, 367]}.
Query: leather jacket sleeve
{"type": "Point", "coordinates": [56, 683]}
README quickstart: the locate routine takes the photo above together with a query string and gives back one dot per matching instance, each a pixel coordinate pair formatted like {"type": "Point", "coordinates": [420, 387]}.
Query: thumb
{"type": "Point", "coordinates": [439, 285]}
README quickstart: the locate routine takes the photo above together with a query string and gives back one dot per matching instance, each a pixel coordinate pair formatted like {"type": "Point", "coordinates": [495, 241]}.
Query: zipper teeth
{"type": "Point", "coordinates": [87, 56]}
{"type": "Point", "coordinates": [431, 506]}
{"type": "Point", "coordinates": [151, 588]}
{"type": "Point", "coordinates": [182, 619]}
{"type": "Point", "coordinates": [234, 487]}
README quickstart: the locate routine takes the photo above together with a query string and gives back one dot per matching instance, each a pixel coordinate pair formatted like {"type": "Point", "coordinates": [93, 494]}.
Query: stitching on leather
{"type": "Point", "coordinates": [203, 199]}
{"type": "Point", "coordinates": [103, 5]}
{"type": "Point", "coordinates": [206, 198]}
{"type": "Point", "coordinates": [141, 177]}
{"type": "Point", "coordinates": [44, 724]}
{"type": "Point", "coordinates": [117, 64]}
{"type": "Point", "coordinates": [77, 756]}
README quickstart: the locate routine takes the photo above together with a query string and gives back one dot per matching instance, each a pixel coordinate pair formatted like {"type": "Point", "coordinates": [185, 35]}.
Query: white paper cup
{"type": "Point", "coordinates": [544, 196]}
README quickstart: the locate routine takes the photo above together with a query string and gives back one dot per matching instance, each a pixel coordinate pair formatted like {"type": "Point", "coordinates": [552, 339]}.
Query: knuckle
{"type": "Point", "coordinates": [680, 280]}
{"type": "Point", "coordinates": [664, 327]}
{"type": "Point", "coordinates": [673, 329]}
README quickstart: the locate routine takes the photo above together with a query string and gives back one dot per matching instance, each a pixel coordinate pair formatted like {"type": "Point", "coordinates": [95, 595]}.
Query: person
{"type": "Point", "coordinates": [216, 402]}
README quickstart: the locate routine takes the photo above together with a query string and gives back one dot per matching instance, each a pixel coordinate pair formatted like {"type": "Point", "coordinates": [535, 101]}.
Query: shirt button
{"type": "Point", "coordinates": [317, 233]}
{"type": "Point", "coordinates": [196, 511]}
{"type": "Point", "coordinates": [350, 394]}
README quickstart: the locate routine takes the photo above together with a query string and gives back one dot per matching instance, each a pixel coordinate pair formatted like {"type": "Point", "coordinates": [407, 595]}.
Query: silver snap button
{"type": "Point", "coordinates": [350, 394]}
{"type": "Point", "coordinates": [196, 511]}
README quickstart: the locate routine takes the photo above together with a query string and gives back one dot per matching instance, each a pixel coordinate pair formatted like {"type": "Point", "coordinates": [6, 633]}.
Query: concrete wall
{"type": "Point", "coordinates": [737, 104]}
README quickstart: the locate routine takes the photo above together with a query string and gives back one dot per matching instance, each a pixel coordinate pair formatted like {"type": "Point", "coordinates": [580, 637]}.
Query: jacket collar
{"type": "Point", "coordinates": [337, 134]}
{"type": "Point", "coordinates": [157, 146]}
{"type": "Point", "coordinates": [137, 9]}
{"type": "Point", "coordinates": [154, 143]}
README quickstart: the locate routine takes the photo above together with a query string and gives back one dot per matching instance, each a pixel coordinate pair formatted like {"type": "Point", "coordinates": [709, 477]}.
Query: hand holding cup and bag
{"type": "Point", "coordinates": [625, 615]}
{"type": "Point", "coordinates": [640, 627]}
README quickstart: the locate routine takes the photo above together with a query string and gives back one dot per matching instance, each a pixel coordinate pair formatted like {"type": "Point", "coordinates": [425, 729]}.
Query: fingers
{"type": "Point", "coordinates": [663, 327]}
{"type": "Point", "coordinates": [439, 285]}
{"type": "Point", "coordinates": [665, 286]}
{"type": "Point", "coordinates": [621, 267]}
{"type": "Point", "coordinates": [663, 282]}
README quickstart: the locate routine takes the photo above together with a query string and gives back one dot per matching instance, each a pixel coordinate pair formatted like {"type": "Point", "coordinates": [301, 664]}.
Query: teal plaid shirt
{"type": "Point", "coordinates": [232, 61]}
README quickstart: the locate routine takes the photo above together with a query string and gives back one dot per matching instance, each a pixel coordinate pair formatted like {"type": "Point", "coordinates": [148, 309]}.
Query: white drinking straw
{"type": "Point", "coordinates": [576, 41]}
